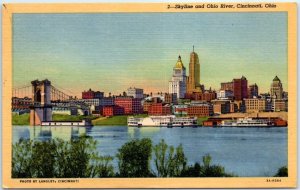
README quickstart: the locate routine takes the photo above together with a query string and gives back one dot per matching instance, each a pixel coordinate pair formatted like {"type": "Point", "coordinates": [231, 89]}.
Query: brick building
{"type": "Point", "coordinates": [240, 88]}
{"type": "Point", "coordinates": [21, 103]}
{"type": "Point", "coordinates": [200, 110]}
{"type": "Point", "coordinates": [170, 98]}
{"type": "Point", "coordinates": [255, 105]}
{"type": "Point", "coordinates": [279, 105]}
{"type": "Point", "coordinates": [146, 106]}
{"type": "Point", "coordinates": [206, 96]}
{"type": "Point", "coordinates": [131, 105]}
{"type": "Point", "coordinates": [112, 110]}
{"type": "Point", "coordinates": [159, 109]}
{"type": "Point", "coordinates": [180, 109]}
{"type": "Point", "coordinates": [90, 94]}
{"type": "Point", "coordinates": [221, 106]}
{"type": "Point", "coordinates": [227, 86]}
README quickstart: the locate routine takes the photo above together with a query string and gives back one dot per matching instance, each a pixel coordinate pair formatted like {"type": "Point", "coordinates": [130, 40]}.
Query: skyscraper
{"type": "Point", "coordinates": [253, 91]}
{"type": "Point", "coordinates": [178, 83]}
{"type": "Point", "coordinates": [240, 88]}
{"type": "Point", "coordinates": [276, 88]}
{"type": "Point", "coordinates": [193, 80]}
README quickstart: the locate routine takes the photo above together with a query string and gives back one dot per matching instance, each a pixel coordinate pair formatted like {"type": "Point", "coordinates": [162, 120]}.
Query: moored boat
{"type": "Point", "coordinates": [162, 121]}
{"type": "Point", "coordinates": [247, 122]}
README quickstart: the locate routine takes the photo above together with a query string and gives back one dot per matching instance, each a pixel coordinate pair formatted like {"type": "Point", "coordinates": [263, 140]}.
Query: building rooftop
{"type": "Point", "coordinates": [276, 79]}
{"type": "Point", "coordinates": [179, 64]}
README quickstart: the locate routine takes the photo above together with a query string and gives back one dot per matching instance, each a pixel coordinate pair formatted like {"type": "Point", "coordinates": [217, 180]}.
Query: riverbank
{"type": "Point", "coordinates": [20, 119]}
{"type": "Point", "coordinates": [122, 119]}
{"type": "Point", "coordinates": [24, 118]}
{"type": "Point", "coordinates": [114, 120]}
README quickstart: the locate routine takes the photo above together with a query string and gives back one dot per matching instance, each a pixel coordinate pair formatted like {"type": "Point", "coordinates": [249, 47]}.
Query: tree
{"type": "Point", "coordinates": [282, 172]}
{"type": "Point", "coordinates": [61, 159]}
{"type": "Point", "coordinates": [205, 170]}
{"type": "Point", "coordinates": [192, 171]}
{"type": "Point", "coordinates": [168, 162]}
{"type": "Point", "coordinates": [101, 167]}
{"type": "Point", "coordinates": [134, 158]}
{"type": "Point", "coordinates": [43, 159]}
{"type": "Point", "coordinates": [160, 160]}
{"type": "Point", "coordinates": [209, 170]}
{"type": "Point", "coordinates": [21, 159]}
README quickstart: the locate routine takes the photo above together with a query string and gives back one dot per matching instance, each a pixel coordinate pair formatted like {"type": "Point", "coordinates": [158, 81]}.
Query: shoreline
{"type": "Point", "coordinates": [121, 120]}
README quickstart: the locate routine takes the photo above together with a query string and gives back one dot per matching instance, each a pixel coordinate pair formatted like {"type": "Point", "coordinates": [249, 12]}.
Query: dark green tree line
{"type": "Point", "coordinates": [56, 158]}
{"type": "Point", "coordinates": [79, 158]}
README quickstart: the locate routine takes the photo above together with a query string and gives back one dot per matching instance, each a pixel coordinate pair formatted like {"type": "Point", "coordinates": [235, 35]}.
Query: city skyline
{"type": "Point", "coordinates": [112, 52]}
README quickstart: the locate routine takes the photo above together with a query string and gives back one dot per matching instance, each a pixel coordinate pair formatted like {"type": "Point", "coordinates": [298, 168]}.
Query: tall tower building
{"type": "Point", "coordinates": [276, 88]}
{"type": "Point", "coordinates": [253, 91]}
{"type": "Point", "coordinates": [178, 83]}
{"type": "Point", "coordinates": [193, 80]}
{"type": "Point", "coordinates": [240, 88]}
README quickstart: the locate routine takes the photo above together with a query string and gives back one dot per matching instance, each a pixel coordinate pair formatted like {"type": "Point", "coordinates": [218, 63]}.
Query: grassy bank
{"type": "Point", "coordinates": [20, 119]}
{"type": "Point", "coordinates": [115, 120]}
{"type": "Point", "coordinates": [61, 117]}
{"type": "Point", "coordinates": [24, 118]}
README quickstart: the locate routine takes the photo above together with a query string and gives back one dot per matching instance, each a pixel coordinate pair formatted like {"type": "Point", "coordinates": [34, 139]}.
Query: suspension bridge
{"type": "Point", "coordinates": [39, 99]}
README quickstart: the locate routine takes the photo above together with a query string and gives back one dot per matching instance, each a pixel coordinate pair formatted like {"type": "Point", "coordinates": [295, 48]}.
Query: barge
{"type": "Point", "coordinates": [83, 123]}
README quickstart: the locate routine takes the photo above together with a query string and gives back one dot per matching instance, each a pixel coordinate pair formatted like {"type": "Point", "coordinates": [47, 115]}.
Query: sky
{"type": "Point", "coordinates": [111, 52]}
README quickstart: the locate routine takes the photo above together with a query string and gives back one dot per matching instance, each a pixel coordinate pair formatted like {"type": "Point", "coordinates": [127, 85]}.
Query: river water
{"type": "Point", "coordinates": [248, 152]}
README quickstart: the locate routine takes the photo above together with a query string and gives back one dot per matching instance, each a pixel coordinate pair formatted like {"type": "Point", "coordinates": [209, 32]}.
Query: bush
{"type": "Point", "coordinates": [58, 158]}
{"type": "Point", "coordinates": [134, 158]}
{"type": "Point", "coordinates": [206, 170]}
{"type": "Point", "coordinates": [168, 162]}
{"type": "Point", "coordinates": [282, 172]}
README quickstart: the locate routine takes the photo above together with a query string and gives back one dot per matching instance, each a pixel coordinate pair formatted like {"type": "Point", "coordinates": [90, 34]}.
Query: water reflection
{"type": "Point", "coordinates": [243, 151]}
{"type": "Point", "coordinates": [48, 132]}
{"type": "Point", "coordinates": [149, 132]}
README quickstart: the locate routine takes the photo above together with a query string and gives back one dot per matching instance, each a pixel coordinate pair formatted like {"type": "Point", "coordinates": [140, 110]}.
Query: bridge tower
{"type": "Point", "coordinates": [41, 109]}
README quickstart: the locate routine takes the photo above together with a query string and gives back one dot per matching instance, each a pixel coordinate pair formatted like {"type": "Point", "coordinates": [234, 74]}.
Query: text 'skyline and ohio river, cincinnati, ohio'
{"type": "Point", "coordinates": [240, 124]}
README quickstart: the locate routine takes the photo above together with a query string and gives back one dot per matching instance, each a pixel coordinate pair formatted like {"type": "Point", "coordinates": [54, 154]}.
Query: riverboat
{"type": "Point", "coordinates": [162, 121]}
{"type": "Point", "coordinates": [247, 122]}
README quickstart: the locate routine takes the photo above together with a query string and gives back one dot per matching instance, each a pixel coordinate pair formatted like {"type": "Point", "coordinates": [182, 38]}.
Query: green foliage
{"type": "Point", "coordinates": [43, 159]}
{"type": "Point", "coordinates": [78, 158]}
{"type": "Point", "coordinates": [63, 117]}
{"type": "Point", "coordinates": [282, 172]}
{"type": "Point", "coordinates": [206, 170]}
{"type": "Point", "coordinates": [115, 120]}
{"type": "Point", "coordinates": [168, 162]}
{"type": "Point", "coordinates": [134, 158]}
{"type": "Point", "coordinates": [201, 119]}
{"type": "Point", "coordinates": [20, 119]}
{"type": "Point", "coordinates": [22, 159]}
{"type": "Point", "coordinates": [58, 158]}
{"type": "Point", "coordinates": [24, 118]}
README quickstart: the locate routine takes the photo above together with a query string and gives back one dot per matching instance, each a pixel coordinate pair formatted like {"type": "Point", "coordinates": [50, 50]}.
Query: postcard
{"type": "Point", "coordinates": [149, 95]}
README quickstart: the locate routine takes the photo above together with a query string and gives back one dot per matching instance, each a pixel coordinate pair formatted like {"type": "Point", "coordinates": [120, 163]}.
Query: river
{"type": "Point", "coordinates": [255, 152]}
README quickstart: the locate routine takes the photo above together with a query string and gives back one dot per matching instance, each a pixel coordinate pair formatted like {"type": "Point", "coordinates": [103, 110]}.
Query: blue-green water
{"type": "Point", "coordinates": [243, 151]}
